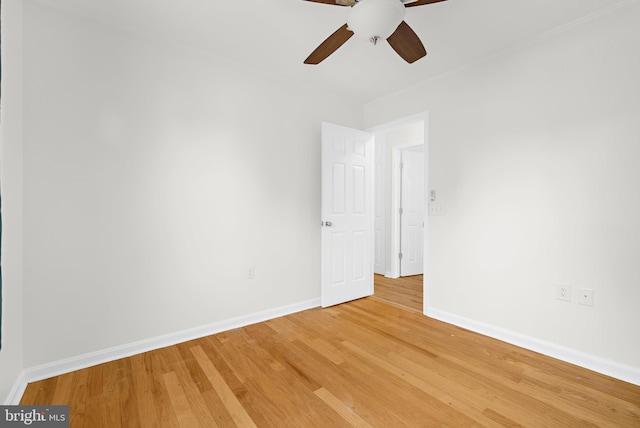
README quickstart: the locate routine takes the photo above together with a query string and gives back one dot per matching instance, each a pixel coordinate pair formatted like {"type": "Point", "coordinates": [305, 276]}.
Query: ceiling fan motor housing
{"type": "Point", "coordinates": [375, 19]}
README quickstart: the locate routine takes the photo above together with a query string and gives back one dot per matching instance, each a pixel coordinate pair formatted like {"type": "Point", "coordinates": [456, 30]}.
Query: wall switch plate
{"type": "Point", "coordinates": [563, 292]}
{"type": "Point", "coordinates": [585, 296]}
{"type": "Point", "coordinates": [436, 208]}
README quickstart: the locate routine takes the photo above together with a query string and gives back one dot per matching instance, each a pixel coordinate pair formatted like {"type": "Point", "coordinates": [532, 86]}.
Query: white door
{"type": "Point", "coordinates": [412, 211]}
{"type": "Point", "coordinates": [347, 214]}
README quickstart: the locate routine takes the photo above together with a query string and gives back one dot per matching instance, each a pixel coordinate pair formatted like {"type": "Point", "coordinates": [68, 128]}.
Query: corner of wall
{"type": "Point", "coordinates": [11, 354]}
{"type": "Point", "coordinates": [592, 362]}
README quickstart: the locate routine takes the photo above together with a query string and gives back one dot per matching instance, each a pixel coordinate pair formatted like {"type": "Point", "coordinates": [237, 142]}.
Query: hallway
{"type": "Point", "coordinates": [404, 291]}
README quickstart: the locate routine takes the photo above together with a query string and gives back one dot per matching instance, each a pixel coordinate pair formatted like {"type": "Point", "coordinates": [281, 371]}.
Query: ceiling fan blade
{"type": "Point", "coordinates": [422, 3]}
{"type": "Point", "coordinates": [330, 45]}
{"type": "Point", "coordinates": [337, 2]}
{"type": "Point", "coordinates": [406, 43]}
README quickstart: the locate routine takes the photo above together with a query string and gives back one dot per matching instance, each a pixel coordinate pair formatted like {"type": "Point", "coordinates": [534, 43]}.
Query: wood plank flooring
{"type": "Point", "coordinates": [405, 291]}
{"type": "Point", "coordinates": [365, 363]}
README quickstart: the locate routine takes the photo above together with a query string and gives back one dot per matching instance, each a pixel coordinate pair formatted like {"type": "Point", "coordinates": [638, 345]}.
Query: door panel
{"type": "Point", "coordinates": [347, 214]}
{"type": "Point", "coordinates": [338, 188]}
{"type": "Point", "coordinates": [412, 213]}
{"type": "Point", "coordinates": [379, 219]}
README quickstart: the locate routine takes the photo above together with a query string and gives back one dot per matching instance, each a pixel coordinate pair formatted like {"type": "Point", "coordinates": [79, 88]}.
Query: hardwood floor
{"type": "Point", "coordinates": [405, 291]}
{"type": "Point", "coordinates": [365, 363]}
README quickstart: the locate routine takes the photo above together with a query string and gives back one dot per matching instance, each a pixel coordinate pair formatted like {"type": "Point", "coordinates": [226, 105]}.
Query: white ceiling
{"type": "Point", "coordinates": [277, 35]}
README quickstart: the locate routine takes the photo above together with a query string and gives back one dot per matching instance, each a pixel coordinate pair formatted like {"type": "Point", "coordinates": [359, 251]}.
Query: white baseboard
{"type": "Point", "coordinates": [32, 374]}
{"type": "Point", "coordinates": [601, 365]}
{"type": "Point", "coordinates": [56, 368]}
{"type": "Point", "coordinates": [16, 392]}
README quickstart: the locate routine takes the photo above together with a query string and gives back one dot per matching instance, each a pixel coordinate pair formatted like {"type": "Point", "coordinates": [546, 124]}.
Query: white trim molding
{"type": "Point", "coordinates": [16, 392]}
{"type": "Point", "coordinates": [56, 368]}
{"type": "Point", "coordinates": [591, 362]}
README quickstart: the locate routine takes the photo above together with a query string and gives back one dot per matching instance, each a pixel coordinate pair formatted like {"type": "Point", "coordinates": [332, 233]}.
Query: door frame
{"type": "Point", "coordinates": [379, 132]}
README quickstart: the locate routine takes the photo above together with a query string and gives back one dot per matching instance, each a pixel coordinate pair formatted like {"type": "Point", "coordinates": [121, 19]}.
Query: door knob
{"type": "Point", "coordinates": [328, 223]}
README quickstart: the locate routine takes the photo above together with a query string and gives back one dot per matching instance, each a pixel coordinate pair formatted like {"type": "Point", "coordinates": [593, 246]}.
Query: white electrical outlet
{"type": "Point", "coordinates": [251, 272]}
{"type": "Point", "coordinates": [563, 292]}
{"type": "Point", "coordinates": [585, 296]}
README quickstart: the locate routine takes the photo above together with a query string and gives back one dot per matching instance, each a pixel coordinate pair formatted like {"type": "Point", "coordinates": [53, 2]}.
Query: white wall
{"type": "Point", "coordinates": [152, 175]}
{"type": "Point", "coordinates": [11, 354]}
{"type": "Point", "coordinates": [536, 155]}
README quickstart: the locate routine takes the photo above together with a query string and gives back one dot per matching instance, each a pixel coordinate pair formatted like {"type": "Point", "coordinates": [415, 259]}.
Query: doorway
{"type": "Point", "coordinates": [351, 257]}
{"type": "Point", "coordinates": [395, 144]}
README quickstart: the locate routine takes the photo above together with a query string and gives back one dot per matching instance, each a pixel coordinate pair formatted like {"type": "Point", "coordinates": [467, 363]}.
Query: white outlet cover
{"type": "Point", "coordinates": [563, 292]}
{"type": "Point", "coordinates": [247, 272]}
{"type": "Point", "coordinates": [585, 296]}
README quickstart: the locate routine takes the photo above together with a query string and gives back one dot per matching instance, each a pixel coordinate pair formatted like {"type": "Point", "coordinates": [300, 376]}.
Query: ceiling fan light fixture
{"type": "Point", "coordinates": [375, 19]}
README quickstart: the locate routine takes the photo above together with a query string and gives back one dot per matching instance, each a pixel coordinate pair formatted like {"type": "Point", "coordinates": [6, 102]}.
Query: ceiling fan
{"type": "Point", "coordinates": [374, 20]}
